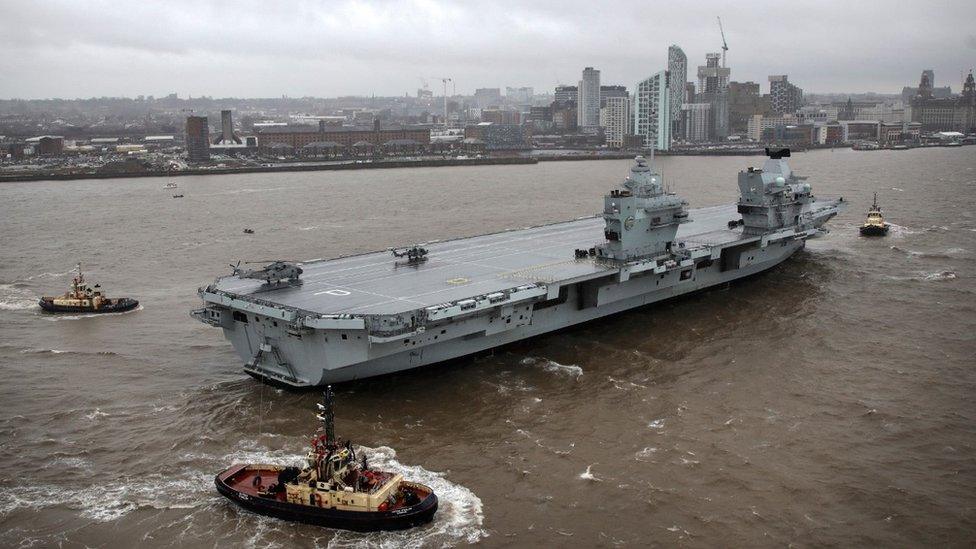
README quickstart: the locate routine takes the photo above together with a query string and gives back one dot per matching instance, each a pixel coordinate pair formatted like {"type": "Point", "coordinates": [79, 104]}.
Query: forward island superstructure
{"type": "Point", "coordinates": [354, 317]}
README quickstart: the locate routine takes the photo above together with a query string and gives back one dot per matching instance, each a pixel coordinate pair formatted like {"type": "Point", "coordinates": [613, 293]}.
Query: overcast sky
{"type": "Point", "coordinates": [267, 48]}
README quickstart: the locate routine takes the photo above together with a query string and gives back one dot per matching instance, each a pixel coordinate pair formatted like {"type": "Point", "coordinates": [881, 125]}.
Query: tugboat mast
{"type": "Point", "coordinates": [328, 416]}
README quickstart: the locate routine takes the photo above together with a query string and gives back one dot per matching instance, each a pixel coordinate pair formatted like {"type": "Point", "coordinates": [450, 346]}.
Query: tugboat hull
{"type": "Point", "coordinates": [115, 306]}
{"type": "Point", "coordinates": [237, 484]}
{"type": "Point", "coordinates": [874, 231]}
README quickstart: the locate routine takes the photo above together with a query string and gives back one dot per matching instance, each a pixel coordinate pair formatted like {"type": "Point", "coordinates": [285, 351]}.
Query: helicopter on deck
{"type": "Point", "coordinates": [274, 272]}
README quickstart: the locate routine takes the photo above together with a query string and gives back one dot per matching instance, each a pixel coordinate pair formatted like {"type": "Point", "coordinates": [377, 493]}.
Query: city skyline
{"type": "Point", "coordinates": [329, 49]}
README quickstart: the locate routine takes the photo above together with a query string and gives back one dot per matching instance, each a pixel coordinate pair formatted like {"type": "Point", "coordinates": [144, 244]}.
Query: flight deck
{"type": "Point", "coordinates": [376, 283]}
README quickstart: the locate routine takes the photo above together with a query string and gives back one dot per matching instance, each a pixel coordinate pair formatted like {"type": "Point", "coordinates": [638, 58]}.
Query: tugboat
{"type": "Point", "coordinates": [334, 489]}
{"type": "Point", "coordinates": [81, 298]}
{"type": "Point", "coordinates": [875, 225]}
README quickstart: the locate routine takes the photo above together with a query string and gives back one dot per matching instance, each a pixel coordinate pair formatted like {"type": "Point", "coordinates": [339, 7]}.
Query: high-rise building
{"type": "Point", "coordinates": [615, 120]}
{"type": "Point", "coordinates": [713, 88]}
{"type": "Point", "coordinates": [745, 100]}
{"type": "Point", "coordinates": [487, 97]}
{"type": "Point", "coordinates": [566, 94]}
{"type": "Point", "coordinates": [697, 118]}
{"type": "Point", "coordinates": [652, 111]}
{"type": "Point", "coordinates": [712, 77]}
{"type": "Point", "coordinates": [678, 70]}
{"type": "Point", "coordinates": [588, 104]}
{"type": "Point", "coordinates": [227, 135]}
{"type": "Point", "coordinates": [520, 95]}
{"type": "Point", "coordinates": [784, 96]}
{"type": "Point", "coordinates": [197, 139]}
{"type": "Point", "coordinates": [606, 92]}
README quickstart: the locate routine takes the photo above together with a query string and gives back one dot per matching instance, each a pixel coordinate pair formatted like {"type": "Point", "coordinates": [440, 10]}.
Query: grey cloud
{"type": "Point", "coordinates": [326, 48]}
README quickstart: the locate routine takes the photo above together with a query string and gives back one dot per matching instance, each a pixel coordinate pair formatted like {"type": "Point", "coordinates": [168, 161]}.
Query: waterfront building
{"type": "Point", "coordinates": [678, 71]}
{"type": "Point", "coordinates": [46, 145]}
{"type": "Point", "coordinates": [652, 109]}
{"type": "Point", "coordinates": [698, 119]}
{"type": "Point", "coordinates": [945, 114]}
{"type": "Point", "coordinates": [784, 96]}
{"type": "Point", "coordinates": [759, 125]}
{"type": "Point", "coordinates": [615, 119]}
{"type": "Point", "coordinates": [588, 102]}
{"type": "Point", "coordinates": [296, 137]}
{"type": "Point", "coordinates": [197, 139]}
{"type": "Point", "coordinates": [500, 137]}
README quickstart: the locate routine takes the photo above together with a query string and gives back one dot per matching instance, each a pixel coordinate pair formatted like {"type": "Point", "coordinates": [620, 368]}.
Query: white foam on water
{"type": "Point", "coordinates": [13, 298]}
{"type": "Point", "coordinates": [588, 474]}
{"type": "Point", "coordinates": [51, 275]}
{"type": "Point", "coordinates": [656, 424]}
{"type": "Point", "coordinates": [645, 454]}
{"type": "Point", "coordinates": [458, 519]}
{"type": "Point", "coordinates": [553, 366]}
{"type": "Point", "coordinates": [930, 277]}
{"type": "Point", "coordinates": [897, 189]}
{"type": "Point", "coordinates": [112, 500]}
{"type": "Point", "coordinates": [33, 351]}
{"type": "Point", "coordinates": [96, 414]}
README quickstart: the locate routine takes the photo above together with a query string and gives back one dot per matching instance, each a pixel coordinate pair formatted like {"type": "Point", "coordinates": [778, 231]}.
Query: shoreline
{"type": "Point", "coordinates": [384, 164]}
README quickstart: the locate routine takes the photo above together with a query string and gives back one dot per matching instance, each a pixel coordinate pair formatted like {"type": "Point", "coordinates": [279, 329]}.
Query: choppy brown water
{"type": "Point", "coordinates": [830, 401]}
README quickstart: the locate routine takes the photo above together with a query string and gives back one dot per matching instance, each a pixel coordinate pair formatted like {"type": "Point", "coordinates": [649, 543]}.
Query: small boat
{"type": "Point", "coordinates": [170, 186]}
{"type": "Point", "coordinates": [875, 224]}
{"type": "Point", "coordinates": [177, 196]}
{"type": "Point", "coordinates": [248, 231]}
{"type": "Point", "coordinates": [334, 489]}
{"type": "Point", "coordinates": [81, 298]}
{"type": "Point", "coordinates": [899, 147]}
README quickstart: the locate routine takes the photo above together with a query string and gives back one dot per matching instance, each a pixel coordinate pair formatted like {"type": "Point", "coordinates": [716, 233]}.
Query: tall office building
{"type": "Point", "coordinates": [678, 70]}
{"type": "Point", "coordinates": [698, 119]}
{"type": "Point", "coordinates": [588, 105]}
{"type": "Point", "coordinates": [652, 112]}
{"type": "Point", "coordinates": [566, 94]}
{"type": "Point", "coordinates": [615, 120]}
{"type": "Point", "coordinates": [784, 96]}
{"type": "Point", "coordinates": [197, 139]}
{"type": "Point", "coordinates": [227, 135]}
{"type": "Point", "coordinates": [713, 88]}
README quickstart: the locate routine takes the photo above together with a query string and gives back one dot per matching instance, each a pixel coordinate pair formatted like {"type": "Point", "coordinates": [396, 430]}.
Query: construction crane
{"type": "Point", "coordinates": [445, 80]}
{"type": "Point", "coordinates": [725, 47]}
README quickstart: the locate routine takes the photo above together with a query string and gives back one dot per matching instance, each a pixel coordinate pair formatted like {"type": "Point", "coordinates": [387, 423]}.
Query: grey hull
{"type": "Point", "coordinates": [328, 321]}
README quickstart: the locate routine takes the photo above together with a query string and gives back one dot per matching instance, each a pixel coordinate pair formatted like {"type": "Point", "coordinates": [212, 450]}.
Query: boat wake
{"type": "Point", "coordinates": [113, 500]}
{"type": "Point", "coordinates": [14, 297]}
{"type": "Point", "coordinates": [458, 519]}
{"type": "Point", "coordinates": [552, 366]}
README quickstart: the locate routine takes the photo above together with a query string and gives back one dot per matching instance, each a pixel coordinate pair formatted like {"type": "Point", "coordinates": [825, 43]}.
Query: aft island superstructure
{"type": "Point", "coordinates": [359, 316]}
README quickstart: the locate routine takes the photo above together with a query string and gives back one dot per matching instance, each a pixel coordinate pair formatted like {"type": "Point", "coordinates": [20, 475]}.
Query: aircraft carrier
{"type": "Point", "coordinates": [353, 317]}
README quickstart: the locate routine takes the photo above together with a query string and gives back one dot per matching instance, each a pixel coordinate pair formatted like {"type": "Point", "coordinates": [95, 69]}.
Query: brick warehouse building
{"type": "Point", "coordinates": [297, 137]}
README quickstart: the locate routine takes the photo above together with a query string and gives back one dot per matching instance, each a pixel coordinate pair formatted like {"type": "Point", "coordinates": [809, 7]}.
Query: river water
{"type": "Point", "coordinates": [827, 402]}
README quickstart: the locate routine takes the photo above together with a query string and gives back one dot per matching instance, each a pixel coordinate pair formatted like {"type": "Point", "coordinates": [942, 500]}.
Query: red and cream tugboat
{"type": "Point", "coordinates": [82, 298]}
{"type": "Point", "coordinates": [334, 489]}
